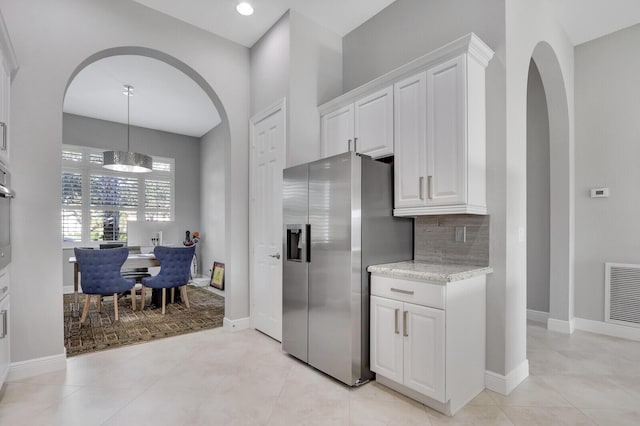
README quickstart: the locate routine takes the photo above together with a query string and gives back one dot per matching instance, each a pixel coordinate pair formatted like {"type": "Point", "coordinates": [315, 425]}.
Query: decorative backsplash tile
{"type": "Point", "coordinates": [435, 240]}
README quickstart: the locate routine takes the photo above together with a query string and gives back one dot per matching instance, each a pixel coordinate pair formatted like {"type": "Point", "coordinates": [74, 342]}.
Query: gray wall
{"type": "Point", "coordinates": [607, 89]}
{"type": "Point", "coordinates": [408, 29]}
{"type": "Point", "coordinates": [212, 196]}
{"type": "Point", "coordinates": [185, 150]}
{"type": "Point", "coordinates": [538, 184]}
{"type": "Point", "coordinates": [51, 41]}
{"type": "Point", "coordinates": [301, 61]}
{"type": "Point", "coordinates": [271, 66]}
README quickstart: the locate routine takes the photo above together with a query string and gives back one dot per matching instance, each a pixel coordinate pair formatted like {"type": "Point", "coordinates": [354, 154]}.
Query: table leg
{"type": "Point", "coordinates": [76, 271]}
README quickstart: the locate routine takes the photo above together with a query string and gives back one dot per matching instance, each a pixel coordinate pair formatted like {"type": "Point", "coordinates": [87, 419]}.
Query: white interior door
{"type": "Point", "coordinates": [267, 161]}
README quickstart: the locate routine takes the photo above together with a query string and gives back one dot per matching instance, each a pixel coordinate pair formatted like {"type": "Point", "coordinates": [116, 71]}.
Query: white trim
{"type": "Point", "coordinates": [68, 289]}
{"type": "Point", "coordinates": [505, 384]}
{"type": "Point", "coordinates": [34, 367]}
{"type": "Point", "coordinates": [608, 329]}
{"type": "Point", "coordinates": [561, 326]}
{"type": "Point", "coordinates": [440, 210]}
{"type": "Point", "coordinates": [237, 325]}
{"type": "Point", "coordinates": [7, 48]}
{"type": "Point", "coordinates": [537, 316]}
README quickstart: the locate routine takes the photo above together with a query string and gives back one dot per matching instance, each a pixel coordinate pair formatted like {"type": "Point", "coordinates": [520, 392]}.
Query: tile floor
{"type": "Point", "coordinates": [220, 378]}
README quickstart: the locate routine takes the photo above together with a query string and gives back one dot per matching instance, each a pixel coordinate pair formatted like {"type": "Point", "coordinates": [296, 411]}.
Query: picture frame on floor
{"type": "Point", "coordinates": [217, 276]}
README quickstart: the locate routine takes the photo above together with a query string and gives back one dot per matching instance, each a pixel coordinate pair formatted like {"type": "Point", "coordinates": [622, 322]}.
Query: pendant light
{"type": "Point", "coordinates": [128, 161]}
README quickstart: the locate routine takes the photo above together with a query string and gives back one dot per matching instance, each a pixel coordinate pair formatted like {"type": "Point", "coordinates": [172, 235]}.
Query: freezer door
{"type": "Point", "coordinates": [334, 279]}
{"type": "Point", "coordinates": [295, 274]}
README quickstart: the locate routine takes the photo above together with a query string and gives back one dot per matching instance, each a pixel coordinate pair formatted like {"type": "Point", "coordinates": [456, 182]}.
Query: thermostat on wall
{"type": "Point", "coordinates": [599, 192]}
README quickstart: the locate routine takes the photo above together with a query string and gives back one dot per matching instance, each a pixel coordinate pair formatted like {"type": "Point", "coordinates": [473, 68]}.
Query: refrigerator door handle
{"type": "Point", "coordinates": [307, 242]}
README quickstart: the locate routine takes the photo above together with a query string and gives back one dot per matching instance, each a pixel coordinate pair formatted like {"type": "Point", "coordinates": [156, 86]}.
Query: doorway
{"type": "Point", "coordinates": [268, 137]}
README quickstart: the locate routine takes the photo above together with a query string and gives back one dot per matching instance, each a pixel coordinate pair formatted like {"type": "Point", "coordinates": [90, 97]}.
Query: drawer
{"type": "Point", "coordinates": [417, 292]}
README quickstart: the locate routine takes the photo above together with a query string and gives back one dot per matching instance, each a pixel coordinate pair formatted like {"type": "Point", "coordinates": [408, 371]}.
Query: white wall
{"type": "Point", "coordinates": [528, 23]}
{"type": "Point", "coordinates": [301, 61]}
{"type": "Point", "coordinates": [316, 77]}
{"type": "Point", "coordinates": [212, 196]}
{"type": "Point", "coordinates": [538, 185]}
{"type": "Point", "coordinates": [51, 40]}
{"type": "Point", "coordinates": [607, 151]}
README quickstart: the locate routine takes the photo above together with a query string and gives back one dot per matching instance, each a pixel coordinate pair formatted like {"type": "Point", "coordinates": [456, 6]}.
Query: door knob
{"type": "Point", "coordinates": [277, 255]}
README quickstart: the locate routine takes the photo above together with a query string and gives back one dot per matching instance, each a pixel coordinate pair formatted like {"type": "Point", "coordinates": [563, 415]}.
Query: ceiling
{"type": "Point", "coordinates": [220, 16]}
{"type": "Point", "coordinates": [164, 97]}
{"type": "Point", "coordinates": [585, 20]}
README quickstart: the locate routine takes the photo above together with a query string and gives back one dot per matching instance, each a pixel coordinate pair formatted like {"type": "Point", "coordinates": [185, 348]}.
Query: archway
{"type": "Point", "coordinates": [561, 190]}
{"type": "Point", "coordinates": [221, 137]}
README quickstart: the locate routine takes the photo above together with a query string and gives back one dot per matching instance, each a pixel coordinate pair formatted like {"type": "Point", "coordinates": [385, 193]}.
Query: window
{"type": "Point", "coordinates": [97, 203]}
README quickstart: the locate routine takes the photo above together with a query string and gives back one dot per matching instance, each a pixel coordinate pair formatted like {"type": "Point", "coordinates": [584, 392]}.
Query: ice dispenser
{"type": "Point", "coordinates": [297, 243]}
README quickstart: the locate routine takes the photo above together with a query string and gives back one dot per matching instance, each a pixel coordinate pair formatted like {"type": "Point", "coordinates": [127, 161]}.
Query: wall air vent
{"type": "Point", "coordinates": [622, 294]}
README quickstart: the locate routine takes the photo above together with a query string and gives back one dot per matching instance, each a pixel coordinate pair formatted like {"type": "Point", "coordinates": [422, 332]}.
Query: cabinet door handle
{"type": "Point", "coordinates": [397, 290]}
{"type": "Point", "coordinates": [4, 136]}
{"type": "Point", "coordinates": [405, 333]}
{"type": "Point", "coordinates": [421, 187]}
{"type": "Point", "coordinates": [396, 317]}
{"type": "Point", "coordinates": [430, 187]}
{"type": "Point", "coordinates": [4, 324]}
{"type": "Point", "coordinates": [355, 144]}
{"type": "Point", "coordinates": [349, 145]}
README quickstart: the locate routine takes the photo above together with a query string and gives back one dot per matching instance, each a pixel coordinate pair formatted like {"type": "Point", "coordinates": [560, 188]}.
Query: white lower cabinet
{"type": "Point", "coordinates": [407, 344]}
{"type": "Point", "coordinates": [427, 339]}
{"type": "Point", "coordinates": [4, 339]}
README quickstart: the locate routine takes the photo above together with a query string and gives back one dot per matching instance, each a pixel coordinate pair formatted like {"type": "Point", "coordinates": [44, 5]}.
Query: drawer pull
{"type": "Point", "coordinates": [397, 290]}
{"type": "Point", "coordinates": [396, 317]}
{"type": "Point", "coordinates": [4, 324]}
{"type": "Point", "coordinates": [404, 324]}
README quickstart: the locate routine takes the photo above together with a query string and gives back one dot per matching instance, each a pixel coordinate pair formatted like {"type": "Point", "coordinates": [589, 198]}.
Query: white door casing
{"type": "Point", "coordinates": [268, 140]}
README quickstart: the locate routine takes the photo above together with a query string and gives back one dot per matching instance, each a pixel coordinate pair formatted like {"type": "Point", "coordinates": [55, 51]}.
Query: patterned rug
{"type": "Point", "coordinates": [100, 330]}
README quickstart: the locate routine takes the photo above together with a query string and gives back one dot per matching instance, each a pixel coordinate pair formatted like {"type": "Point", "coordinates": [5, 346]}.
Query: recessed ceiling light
{"type": "Point", "coordinates": [244, 8]}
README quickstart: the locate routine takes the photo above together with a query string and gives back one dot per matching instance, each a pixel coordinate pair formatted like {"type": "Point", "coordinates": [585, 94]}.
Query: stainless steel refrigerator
{"type": "Point", "coordinates": [337, 221]}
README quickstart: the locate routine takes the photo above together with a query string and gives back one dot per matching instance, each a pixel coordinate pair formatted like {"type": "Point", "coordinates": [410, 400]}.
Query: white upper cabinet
{"type": "Point", "coordinates": [337, 131]}
{"type": "Point", "coordinates": [440, 164]}
{"type": "Point", "coordinates": [374, 124]}
{"type": "Point", "coordinates": [364, 126]}
{"type": "Point", "coordinates": [410, 116]}
{"type": "Point", "coordinates": [430, 114]}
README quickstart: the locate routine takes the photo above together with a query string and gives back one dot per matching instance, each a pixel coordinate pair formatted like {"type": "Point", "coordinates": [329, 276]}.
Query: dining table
{"type": "Point", "coordinates": [134, 260]}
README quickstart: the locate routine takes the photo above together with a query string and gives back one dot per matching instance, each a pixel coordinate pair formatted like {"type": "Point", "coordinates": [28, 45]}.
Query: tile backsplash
{"type": "Point", "coordinates": [435, 240]}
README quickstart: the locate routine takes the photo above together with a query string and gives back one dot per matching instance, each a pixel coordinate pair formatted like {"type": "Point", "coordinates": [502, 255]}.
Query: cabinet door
{"type": "Point", "coordinates": [386, 338]}
{"type": "Point", "coordinates": [446, 133]}
{"type": "Point", "coordinates": [424, 369]}
{"type": "Point", "coordinates": [410, 116]}
{"type": "Point", "coordinates": [337, 131]}
{"type": "Point", "coordinates": [4, 339]}
{"type": "Point", "coordinates": [374, 124]}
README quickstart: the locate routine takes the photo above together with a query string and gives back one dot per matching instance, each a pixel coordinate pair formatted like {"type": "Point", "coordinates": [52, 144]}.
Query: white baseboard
{"type": "Point", "coordinates": [609, 329]}
{"type": "Point", "coordinates": [505, 384]}
{"type": "Point", "coordinates": [537, 316]}
{"type": "Point", "coordinates": [237, 325]}
{"type": "Point", "coordinates": [34, 367]}
{"type": "Point", "coordinates": [561, 326]}
{"type": "Point", "coordinates": [68, 289]}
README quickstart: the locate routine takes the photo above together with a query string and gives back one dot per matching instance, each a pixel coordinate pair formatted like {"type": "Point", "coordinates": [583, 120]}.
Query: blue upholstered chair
{"type": "Point", "coordinates": [100, 274]}
{"type": "Point", "coordinates": [175, 264]}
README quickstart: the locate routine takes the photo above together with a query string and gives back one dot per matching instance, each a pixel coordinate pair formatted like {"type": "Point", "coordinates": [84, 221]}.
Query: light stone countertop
{"type": "Point", "coordinates": [429, 271]}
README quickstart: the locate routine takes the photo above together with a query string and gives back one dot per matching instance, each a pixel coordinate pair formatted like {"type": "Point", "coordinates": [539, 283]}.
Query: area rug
{"type": "Point", "coordinates": [101, 331]}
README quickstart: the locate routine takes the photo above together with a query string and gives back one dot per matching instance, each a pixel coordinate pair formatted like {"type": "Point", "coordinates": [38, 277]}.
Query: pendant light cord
{"type": "Point", "coordinates": [128, 118]}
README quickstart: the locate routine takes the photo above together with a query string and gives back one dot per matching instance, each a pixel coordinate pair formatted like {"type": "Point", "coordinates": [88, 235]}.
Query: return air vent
{"type": "Point", "coordinates": [622, 294]}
